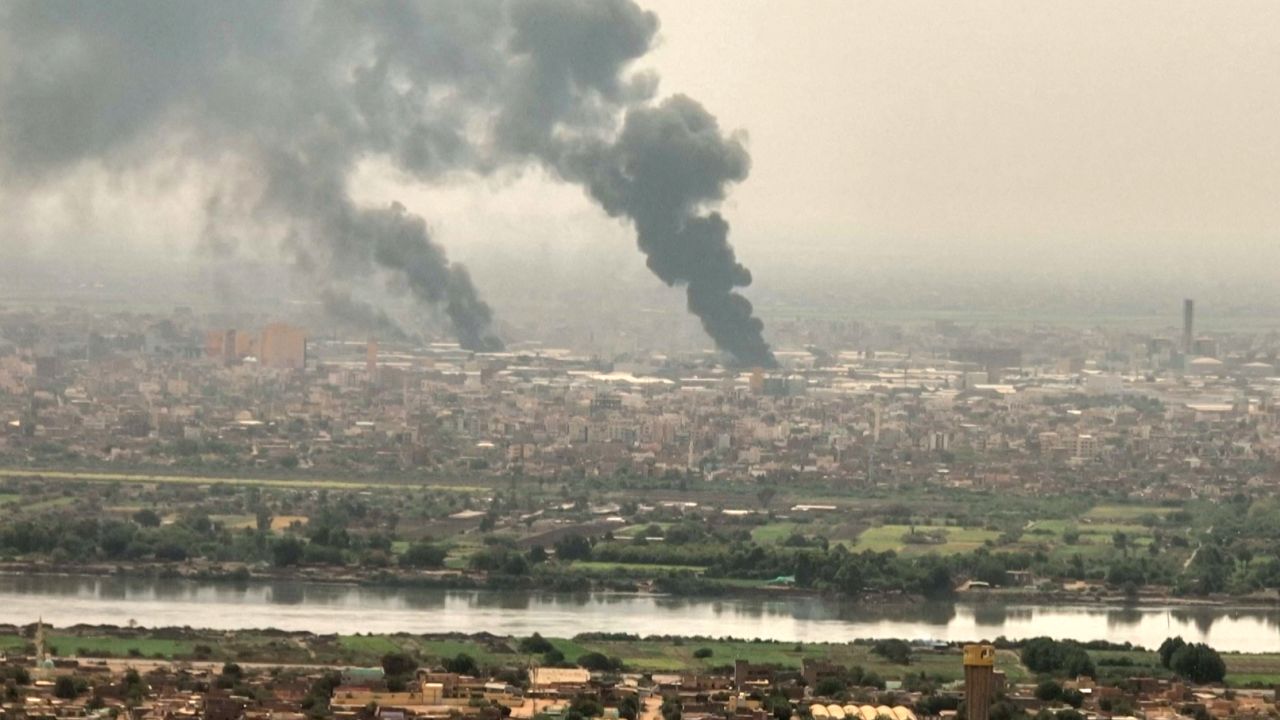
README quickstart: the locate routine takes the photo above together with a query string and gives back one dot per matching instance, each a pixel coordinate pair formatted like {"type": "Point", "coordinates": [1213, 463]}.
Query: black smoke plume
{"type": "Point", "coordinates": [282, 101]}
{"type": "Point", "coordinates": [356, 314]}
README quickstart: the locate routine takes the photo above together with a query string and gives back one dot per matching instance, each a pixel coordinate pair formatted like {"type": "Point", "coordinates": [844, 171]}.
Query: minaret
{"type": "Point", "coordinates": [40, 650]}
{"type": "Point", "coordinates": [979, 680]}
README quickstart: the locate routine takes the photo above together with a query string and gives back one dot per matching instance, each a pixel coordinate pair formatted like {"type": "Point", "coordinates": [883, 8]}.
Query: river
{"type": "Point", "coordinates": [324, 608]}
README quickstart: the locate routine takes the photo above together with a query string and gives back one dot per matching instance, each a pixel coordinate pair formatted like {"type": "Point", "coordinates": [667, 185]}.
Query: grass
{"type": "Point", "coordinates": [889, 537]}
{"type": "Point", "coordinates": [235, 522]}
{"type": "Point", "coordinates": [10, 643]}
{"type": "Point", "coordinates": [772, 533]}
{"type": "Point", "coordinates": [372, 645]}
{"type": "Point", "coordinates": [49, 504]}
{"type": "Point", "coordinates": [640, 568]}
{"type": "Point", "coordinates": [118, 646]}
{"type": "Point", "coordinates": [7, 498]}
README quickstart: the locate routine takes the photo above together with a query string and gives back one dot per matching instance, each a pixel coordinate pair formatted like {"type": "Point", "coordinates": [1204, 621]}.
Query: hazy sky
{"type": "Point", "coordinates": [1086, 136]}
{"type": "Point", "coordinates": [1105, 137]}
{"type": "Point", "coordinates": [1153, 126]}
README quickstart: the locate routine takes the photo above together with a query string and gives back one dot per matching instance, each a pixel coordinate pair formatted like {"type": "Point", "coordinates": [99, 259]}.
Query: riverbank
{"type": "Point", "coordinates": [335, 608]}
{"type": "Point", "coordinates": [570, 580]}
{"type": "Point", "coordinates": [137, 646]}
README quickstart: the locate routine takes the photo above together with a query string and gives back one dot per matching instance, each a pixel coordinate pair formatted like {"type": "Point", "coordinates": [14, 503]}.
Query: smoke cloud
{"type": "Point", "coordinates": [293, 95]}
{"type": "Point", "coordinates": [359, 315]}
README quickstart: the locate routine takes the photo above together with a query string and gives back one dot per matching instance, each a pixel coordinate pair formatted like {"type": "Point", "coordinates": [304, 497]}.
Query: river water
{"type": "Point", "coordinates": [322, 608]}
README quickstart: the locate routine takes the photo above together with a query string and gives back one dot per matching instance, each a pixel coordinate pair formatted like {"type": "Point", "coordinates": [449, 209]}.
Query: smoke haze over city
{"type": "Point", "coordinates": [1114, 152]}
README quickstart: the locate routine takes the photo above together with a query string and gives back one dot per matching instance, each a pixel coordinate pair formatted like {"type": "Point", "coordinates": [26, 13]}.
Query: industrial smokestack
{"type": "Point", "coordinates": [1188, 326]}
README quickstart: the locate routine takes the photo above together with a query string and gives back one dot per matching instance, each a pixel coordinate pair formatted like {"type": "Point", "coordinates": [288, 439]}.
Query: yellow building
{"type": "Point", "coordinates": [979, 680]}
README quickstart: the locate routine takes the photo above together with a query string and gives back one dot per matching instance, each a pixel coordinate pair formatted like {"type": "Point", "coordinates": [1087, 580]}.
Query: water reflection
{"type": "Point", "coordinates": [287, 594]}
{"type": "Point", "coordinates": [328, 608]}
{"type": "Point", "coordinates": [1125, 616]}
{"type": "Point", "coordinates": [989, 614]}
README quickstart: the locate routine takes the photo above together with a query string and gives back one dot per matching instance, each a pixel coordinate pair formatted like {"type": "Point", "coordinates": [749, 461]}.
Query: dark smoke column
{"type": "Point", "coordinates": [667, 165]}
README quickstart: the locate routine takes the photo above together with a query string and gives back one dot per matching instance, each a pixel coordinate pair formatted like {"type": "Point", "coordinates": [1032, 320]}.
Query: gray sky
{"type": "Point", "coordinates": [1138, 123]}
{"type": "Point", "coordinates": [1081, 137]}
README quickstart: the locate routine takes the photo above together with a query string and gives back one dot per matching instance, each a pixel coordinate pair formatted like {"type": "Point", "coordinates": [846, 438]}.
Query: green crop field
{"type": "Point", "coordinates": [118, 646]}
{"type": "Point", "coordinates": [637, 568]}
{"type": "Point", "coordinates": [49, 504]}
{"type": "Point", "coordinates": [774, 532]}
{"type": "Point", "coordinates": [235, 522]}
{"type": "Point", "coordinates": [12, 643]}
{"type": "Point", "coordinates": [889, 537]}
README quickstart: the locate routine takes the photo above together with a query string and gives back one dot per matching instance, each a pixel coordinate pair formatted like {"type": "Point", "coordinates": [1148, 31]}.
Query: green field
{"type": "Point", "coordinates": [639, 568]}
{"type": "Point", "coordinates": [91, 646]}
{"type": "Point", "coordinates": [889, 537]}
{"type": "Point", "coordinates": [49, 504]}
{"type": "Point", "coordinates": [774, 532]}
{"type": "Point", "coordinates": [12, 643]}
{"type": "Point", "coordinates": [235, 522]}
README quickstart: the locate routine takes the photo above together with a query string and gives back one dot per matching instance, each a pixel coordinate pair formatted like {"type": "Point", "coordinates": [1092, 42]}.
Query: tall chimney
{"type": "Point", "coordinates": [1188, 325]}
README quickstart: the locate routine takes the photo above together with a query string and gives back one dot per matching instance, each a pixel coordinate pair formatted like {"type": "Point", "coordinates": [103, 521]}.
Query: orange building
{"type": "Point", "coordinates": [283, 347]}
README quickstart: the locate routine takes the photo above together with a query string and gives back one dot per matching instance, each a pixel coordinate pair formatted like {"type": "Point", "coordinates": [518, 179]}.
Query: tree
{"type": "Point", "coordinates": [895, 651]}
{"type": "Point", "coordinates": [1168, 648]}
{"type": "Point", "coordinates": [535, 644]}
{"type": "Point", "coordinates": [398, 664]}
{"type": "Point", "coordinates": [703, 653]}
{"type": "Point", "coordinates": [1121, 541]}
{"type": "Point", "coordinates": [64, 687]}
{"type": "Point", "coordinates": [287, 551]}
{"type": "Point", "coordinates": [766, 495]}
{"type": "Point", "coordinates": [573, 547]}
{"type": "Point", "coordinates": [599, 662]}
{"type": "Point", "coordinates": [462, 664]}
{"type": "Point", "coordinates": [423, 555]}
{"type": "Point", "coordinates": [829, 687]}
{"type": "Point", "coordinates": [1198, 663]}
{"type": "Point", "coordinates": [147, 518]}
{"type": "Point", "coordinates": [1073, 697]}
{"type": "Point", "coordinates": [1048, 691]}
{"type": "Point", "coordinates": [587, 706]}
{"type": "Point", "coordinates": [1046, 655]}
{"type": "Point", "coordinates": [628, 707]}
